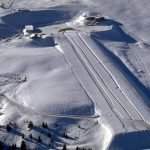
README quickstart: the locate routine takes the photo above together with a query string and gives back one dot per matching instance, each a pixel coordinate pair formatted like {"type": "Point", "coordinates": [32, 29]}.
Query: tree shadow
{"type": "Point", "coordinates": [115, 34]}
{"type": "Point", "coordinates": [55, 135]}
{"type": "Point", "coordinates": [15, 132]}
{"type": "Point", "coordinates": [41, 144]}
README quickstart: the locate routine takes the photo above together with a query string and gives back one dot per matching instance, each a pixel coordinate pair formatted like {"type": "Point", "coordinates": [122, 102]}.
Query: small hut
{"type": "Point", "coordinates": [28, 30]}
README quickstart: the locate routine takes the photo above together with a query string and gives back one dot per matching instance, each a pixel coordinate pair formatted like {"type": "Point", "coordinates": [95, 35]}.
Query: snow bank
{"type": "Point", "coordinates": [79, 20]}
{"type": "Point", "coordinates": [82, 20]}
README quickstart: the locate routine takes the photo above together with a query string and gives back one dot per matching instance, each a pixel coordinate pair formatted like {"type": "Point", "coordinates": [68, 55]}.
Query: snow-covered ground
{"type": "Point", "coordinates": [90, 81]}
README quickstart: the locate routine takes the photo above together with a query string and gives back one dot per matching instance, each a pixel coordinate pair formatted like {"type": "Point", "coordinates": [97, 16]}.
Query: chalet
{"type": "Point", "coordinates": [28, 30]}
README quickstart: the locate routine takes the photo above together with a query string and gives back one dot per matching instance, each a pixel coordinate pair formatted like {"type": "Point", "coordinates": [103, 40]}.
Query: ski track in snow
{"type": "Point", "coordinates": [130, 109]}
{"type": "Point", "coordinates": [102, 90]}
{"type": "Point", "coordinates": [121, 103]}
{"type": "Point", "coordinates": [128, 115]}
{"type": "Point", "coordinates": [117, 86]}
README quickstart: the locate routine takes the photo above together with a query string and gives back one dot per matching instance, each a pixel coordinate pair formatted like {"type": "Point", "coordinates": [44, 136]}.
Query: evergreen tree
{"type": "Point", "coordinates": [30, 125]}
{"type": "Point", "coordinates": [1, 146]}
{"type": "Point", "coordinates": [49, 134]}
{"type": "Point", "coordinates": [10, 123]}
{"type": "Point", "coordinates": [9, 148]}
{"type": "Point", "coordinates": [64, 147]}
{"type": "Point", "coordinates": [8, 127]}
{"type": "Point", "coordinates": [65, 135]}
{"type": "Point", "coordinates": [23, 145]}
{"type": "Point", "coordinates": [43, 125]}
{"type": "Point", "coordinates": [77, 148]}
{"type": "Point", "coordinates": [56, 125]}
{"type": "Point", "coordinates": [22, 136]}
{"type": "Point", "coordinates": [30, 136]}
{"type": "Point", "coordinates": [39, 139]}
{"type": "Point", "coordinates": [52, 140]}
{"type": "Point", "coordinates": [13, 147]}
{"type": "Point", "coordinates": [46, 126]}
{"type": "Point", "coordinates": [49, 144]}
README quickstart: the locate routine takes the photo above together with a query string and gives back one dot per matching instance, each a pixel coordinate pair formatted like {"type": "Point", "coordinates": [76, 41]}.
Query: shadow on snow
{"type": "Point", "coordinates": [37, 18]}
{"type": "Point", "coordinates": [116, 34]}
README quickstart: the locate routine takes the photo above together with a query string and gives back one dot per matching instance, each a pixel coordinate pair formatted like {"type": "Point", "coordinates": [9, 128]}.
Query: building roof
{"type": "Point", "coordinates": [29, 27]}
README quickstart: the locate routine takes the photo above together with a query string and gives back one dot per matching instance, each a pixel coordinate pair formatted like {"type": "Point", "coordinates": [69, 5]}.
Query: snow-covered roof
{"type": "Point", "coordinates": [29, 27]}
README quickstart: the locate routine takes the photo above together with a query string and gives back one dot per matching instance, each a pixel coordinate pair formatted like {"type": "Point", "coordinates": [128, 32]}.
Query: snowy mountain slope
{"type": "Point", "coordinates": [91, 83]}
{"type": "Point", "coordinates": [41, 84]}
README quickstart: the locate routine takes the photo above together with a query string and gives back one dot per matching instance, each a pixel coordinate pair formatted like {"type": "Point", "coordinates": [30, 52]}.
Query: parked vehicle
{"type": "Point", "coordinates": [93, 20]}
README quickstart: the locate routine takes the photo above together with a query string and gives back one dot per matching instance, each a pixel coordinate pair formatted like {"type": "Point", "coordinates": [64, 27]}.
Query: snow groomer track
{"type": "Point", "coordinates": [108, 83]}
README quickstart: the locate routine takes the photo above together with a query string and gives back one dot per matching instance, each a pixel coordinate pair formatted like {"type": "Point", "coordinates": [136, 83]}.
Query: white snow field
{"type": "Point", "coordinates": [90, 82]}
